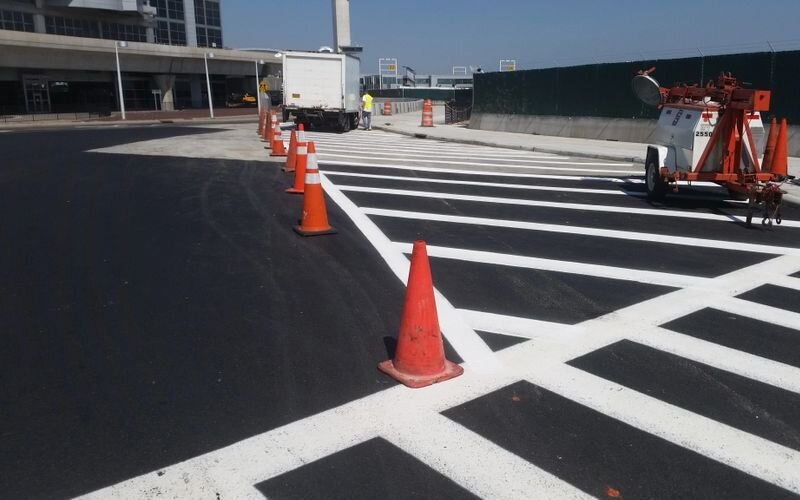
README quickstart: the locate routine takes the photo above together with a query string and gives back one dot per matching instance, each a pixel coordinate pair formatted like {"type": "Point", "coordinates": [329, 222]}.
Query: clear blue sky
{"type": "Point", "coordinates": [431, 36]}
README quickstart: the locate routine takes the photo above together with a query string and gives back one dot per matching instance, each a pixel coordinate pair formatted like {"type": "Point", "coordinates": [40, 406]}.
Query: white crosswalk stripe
{"type": "Point", "coordinates": [411, 419]}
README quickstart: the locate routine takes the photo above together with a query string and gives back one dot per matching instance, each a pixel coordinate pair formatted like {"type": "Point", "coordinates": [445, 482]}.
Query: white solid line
{"type": "Point", "coordinates": [492, 165]}
{"type": "Point", "coordinates": [744, 451]}
{"type": "Point", "coordinates": [463, 456]}
{"type": "Point", "coordinates": [554, 204]}
{"type": "Point", "coordinates": [437, 153]}
{"type": "Point", "coordinates": [586, 231]}
{"type": "Point", "coordinates": [535, 187]}
{"type": "Point", "coordinates": [760, 312]}
{"type": "Point", "coordinates": [406, 153]}
{"type": "Point", "coordinates": [432, 180]}
{"type": "Point", "coordinates": [788, 282]}
{"type": "Point", "coordinates": [463, 338]}
{"type": "Point", "coordinates": [521, 327]}
{"type": "Point", "coordinates": [731, 360]}
{"type": "Point", "coordinates": [437, 150]}
{"type": "Point", "coordinates": [478, 172]}
{"type": "Point", "coordinates": [561, 266]}
{"type": "Point", "coordinates": [567, 165]}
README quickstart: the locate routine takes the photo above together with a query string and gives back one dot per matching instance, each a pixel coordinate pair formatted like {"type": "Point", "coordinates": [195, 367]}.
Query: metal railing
{"type": "Point", "coordinates": [456, 114]}
{"type": "Point", "coordinates": [13, 115]}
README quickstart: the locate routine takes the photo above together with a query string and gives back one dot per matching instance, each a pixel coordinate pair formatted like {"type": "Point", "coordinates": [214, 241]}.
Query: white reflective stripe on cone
{"type": "Point", "coordinates": [311, 162]}
{"type": "Point", "coordinates": [302, 150]}
{"type": "Point", "coordinates": [312, 178]}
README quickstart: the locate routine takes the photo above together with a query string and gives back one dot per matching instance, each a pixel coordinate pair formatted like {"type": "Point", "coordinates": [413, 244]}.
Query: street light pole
{"type": "Point", "coordinates": [117, 46]}
{"type": "Point", "coordinates": [258, 85]}
{"type": "Point", "coordinates": [206, 55]}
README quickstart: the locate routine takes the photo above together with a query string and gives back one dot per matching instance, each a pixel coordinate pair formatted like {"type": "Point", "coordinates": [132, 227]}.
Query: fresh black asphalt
{"type": "Point", "coordinates": [157, 308]}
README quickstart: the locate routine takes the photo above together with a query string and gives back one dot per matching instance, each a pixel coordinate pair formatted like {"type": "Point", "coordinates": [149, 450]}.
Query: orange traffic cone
{"type": "Point", "coordinates": [314, 221]}
{"type": "Point", "coordinates": [419, 359]}
{"type": "Point", "coordinates": [427, 113]}
{"type": "Point", "coordinates": [780, 163]}
{"type": "Point", "coordinates": [300, 167]}
{"type": "Point", "coordinates": [292, 158]}
{"type": "Point", "coordinates": [387, 108]}
{"type": "Point", "coordinates": [769, 151]}
{"type": "Point", "coordinates": [278, 149]}
{"type": "Point", "coordinates": [269, 131]}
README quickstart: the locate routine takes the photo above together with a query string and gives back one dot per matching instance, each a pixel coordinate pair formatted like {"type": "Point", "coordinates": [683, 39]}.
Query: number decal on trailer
{"type": "Point", "coordinates": [703, 133]}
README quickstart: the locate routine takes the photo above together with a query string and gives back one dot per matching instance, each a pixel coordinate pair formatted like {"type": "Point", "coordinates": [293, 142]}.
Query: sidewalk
{"type": "Point", "coordinates": [409, 124]}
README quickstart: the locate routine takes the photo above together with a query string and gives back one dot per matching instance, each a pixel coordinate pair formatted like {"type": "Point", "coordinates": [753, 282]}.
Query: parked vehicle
{"type": "Point", "coordinates": [321, 88]}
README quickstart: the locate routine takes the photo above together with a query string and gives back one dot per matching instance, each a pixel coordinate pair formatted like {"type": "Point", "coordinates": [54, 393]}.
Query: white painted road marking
{"type": "Point", "coordinates": [561, 266]}
{"type": "Point", "coordinates": [586, 231]}
{"type": "Point", "coordinates": [444, 170]}
{"type": "Point", "coordinates": [411, 420]}
{"type": "Point", "coordinates": [660, 212]}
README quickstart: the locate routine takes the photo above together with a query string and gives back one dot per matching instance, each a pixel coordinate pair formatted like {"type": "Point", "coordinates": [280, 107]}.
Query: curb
{"type": "Point", "coordinates": [790, 196]}
{"type": "Point", "coordinates": [66, 124]}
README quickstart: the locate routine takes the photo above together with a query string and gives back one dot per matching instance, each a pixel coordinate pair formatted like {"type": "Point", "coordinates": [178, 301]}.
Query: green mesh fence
{"type": "Point", "coordinates": [604, 89]}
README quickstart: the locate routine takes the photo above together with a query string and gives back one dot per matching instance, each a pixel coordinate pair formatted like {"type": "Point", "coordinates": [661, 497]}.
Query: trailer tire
{"type": "Point", "coordinates": [655, 185]}
{"type": "Point", "coordinates": [344, 123]}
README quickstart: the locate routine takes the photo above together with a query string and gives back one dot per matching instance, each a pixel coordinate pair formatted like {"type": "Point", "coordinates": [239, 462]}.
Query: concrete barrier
{"type": "Point", "coordinates": [586, 127]}
{"type": "Point", "coordinates": [405, 106]}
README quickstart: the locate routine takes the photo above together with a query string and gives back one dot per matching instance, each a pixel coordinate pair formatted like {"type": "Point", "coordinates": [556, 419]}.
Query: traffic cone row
{"type": "Point", "coordinates": [419, 358]}
{"type": "Point", "coordinates": [776, 154]}
{"type": "Point", "coordinates": [427, 113]}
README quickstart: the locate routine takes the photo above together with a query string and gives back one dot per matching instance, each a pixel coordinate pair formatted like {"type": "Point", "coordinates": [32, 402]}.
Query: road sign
{"type": "Point", "coordinates": [263, 87]}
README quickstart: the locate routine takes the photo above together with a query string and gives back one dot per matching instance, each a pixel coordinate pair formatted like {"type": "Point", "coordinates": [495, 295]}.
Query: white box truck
{"type": "Point", "coordinates": [321, 88]}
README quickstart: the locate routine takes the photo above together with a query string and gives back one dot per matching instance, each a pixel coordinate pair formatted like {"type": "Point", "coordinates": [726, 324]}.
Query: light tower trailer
{"type": "Point", "coordinates": [321, 88]}
{"type": "Point", "coordinates": [711, 133]}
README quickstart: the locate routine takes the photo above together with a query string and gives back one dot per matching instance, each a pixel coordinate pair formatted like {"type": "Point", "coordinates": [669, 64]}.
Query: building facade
{"type": "Point", "coordinates": [192, 23]}
{"type": "Point", "coordinates": [60, 55]}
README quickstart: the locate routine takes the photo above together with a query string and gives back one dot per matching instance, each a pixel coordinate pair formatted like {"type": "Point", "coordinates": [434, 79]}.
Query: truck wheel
{"type": "Point", "coordinates": [656, 186]}
{"type": "Point", "coordinates": [354, 122]}
{"type": "Point", "coordinates": [285, 115]}
{"type": "Point", "coordinates": [344, 123]}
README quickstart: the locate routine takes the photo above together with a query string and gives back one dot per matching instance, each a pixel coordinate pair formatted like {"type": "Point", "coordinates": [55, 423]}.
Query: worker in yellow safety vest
{"type": "Point", "coordinates": [366, 110]}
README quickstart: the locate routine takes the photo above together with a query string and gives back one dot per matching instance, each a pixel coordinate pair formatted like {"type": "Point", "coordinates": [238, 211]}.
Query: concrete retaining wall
{"type": "Point", "coordinates": [610, 129]}
{"type": "Point", "coordinates": [397, 106]}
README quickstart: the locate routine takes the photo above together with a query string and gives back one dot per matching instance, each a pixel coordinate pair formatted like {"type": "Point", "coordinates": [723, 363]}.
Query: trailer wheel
{"type": "Point", "coordinates": [656, 186]}
{"type": "Point", "coordinates": [344, 123]}
{"type": "Point", "coordinates": [354, 120]}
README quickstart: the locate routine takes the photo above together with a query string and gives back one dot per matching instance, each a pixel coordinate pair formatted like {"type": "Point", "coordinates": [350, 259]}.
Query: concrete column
{"type": "Point", "coordinates": [166, 83]}
{"type": "Point", "coordinates": [38, 18]}
{"type": "Point", "coordinates": [191, 24]}
{"type": "Point", "coordinates": [341, 24]}
{"type": "Point", "coordinates": [151, 34]}
{"type": "Point", "coordinates": [38, 23]}
{"type": "Point", "coordinates": [196, 87]}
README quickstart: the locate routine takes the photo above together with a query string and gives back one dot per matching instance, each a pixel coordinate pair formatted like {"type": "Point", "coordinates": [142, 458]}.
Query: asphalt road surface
{"type": "Point", "coordinates": [167, 334]}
